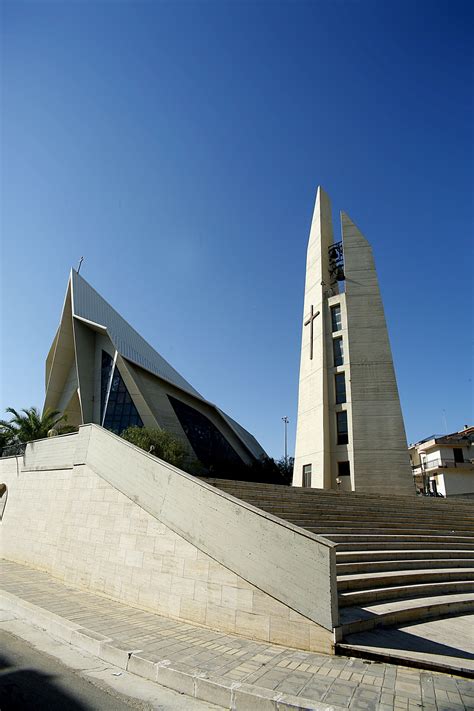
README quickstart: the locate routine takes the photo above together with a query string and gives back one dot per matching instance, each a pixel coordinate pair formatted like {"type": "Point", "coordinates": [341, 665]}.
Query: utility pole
{"type": "Point", "coordinates": [285, 422]}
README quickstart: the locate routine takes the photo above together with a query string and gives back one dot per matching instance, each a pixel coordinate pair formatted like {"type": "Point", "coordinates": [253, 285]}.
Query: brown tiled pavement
{"type": "Point", "coordinates": [228, 670]}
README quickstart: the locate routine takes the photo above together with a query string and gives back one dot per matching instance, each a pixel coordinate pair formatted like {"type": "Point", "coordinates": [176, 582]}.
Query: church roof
{"type": "Point", "coordinates": [88, 304]}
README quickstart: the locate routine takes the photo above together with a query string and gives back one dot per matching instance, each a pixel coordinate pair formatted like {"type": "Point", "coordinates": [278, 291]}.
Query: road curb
{"type": "Point", "coordinates": [197, 684]}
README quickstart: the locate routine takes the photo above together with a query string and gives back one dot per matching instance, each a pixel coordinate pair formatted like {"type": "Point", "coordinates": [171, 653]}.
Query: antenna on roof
{"type": "Point", "coordinates": [80, 262]}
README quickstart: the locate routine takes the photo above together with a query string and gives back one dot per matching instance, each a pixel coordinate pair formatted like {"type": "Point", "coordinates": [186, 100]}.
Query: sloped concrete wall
{"type": "Point", "coordinates": [377, 434]}
{"type": "Point", "coordinates": [203, 556]}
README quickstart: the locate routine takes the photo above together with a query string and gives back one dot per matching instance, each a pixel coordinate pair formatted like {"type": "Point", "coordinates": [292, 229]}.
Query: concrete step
{"type": "Point", "coordinates": [336, 504]}
{"type": "Point", "coordinates": [387, 525]}
{"type": "Point", "coordinates": [328, 531]}
{"type": "Point", "coordinates": [396, 612]}
{"type": "Point", "coordinates": [363, 539]}
{"type": "Point", "coordinates": [391, 578]}
{"type": "Point", "coordinates": [381, 565]}
{"type": "Point", "coordinates": [300, 491]}
{"type": "Point", "coordinates": [372, 595]}
{"type": "Point", "coordinates": [320, 500]}
{"type": "Point", "coordinates": [361, 556]}
{"type": "Point", "coordinates": [365, 546]}
{"type": "Point", "coordinates": [361, 516]}
{"type": "Point", "coordinates": [272, 490]}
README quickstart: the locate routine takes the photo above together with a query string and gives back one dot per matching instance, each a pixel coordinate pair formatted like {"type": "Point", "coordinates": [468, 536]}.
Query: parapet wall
{"type": "Point", "coordinates": [100, 514]}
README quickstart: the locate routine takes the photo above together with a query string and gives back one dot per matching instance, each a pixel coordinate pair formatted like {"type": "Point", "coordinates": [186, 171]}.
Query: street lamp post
{"type": "Point", "coordinates": [285, 422]}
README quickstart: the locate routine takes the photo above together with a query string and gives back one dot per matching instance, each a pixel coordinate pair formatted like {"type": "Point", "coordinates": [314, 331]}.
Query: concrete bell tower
{"type": "Point", "coordinates": [350, 433]}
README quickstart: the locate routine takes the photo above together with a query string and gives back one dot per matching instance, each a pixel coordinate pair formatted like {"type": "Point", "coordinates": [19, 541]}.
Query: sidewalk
{"type": "Point", "coordinates": [227, 670]}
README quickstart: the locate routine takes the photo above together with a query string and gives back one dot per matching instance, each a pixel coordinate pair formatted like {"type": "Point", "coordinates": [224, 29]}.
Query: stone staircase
{"type": "Point", "coordinates": [398, 559]}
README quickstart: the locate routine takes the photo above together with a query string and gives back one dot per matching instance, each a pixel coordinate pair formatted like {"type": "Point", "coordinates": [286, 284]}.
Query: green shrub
{"type": "Point", "coordinates": [158, 442]}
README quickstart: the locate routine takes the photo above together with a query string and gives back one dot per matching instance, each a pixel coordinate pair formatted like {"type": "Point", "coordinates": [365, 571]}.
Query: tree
{"type": "Point", "coordinates": [29, 424]}
{"type": "Point", "coordinates": [285, 467]}
{"type": "Point", "coordinates": [158, 442]}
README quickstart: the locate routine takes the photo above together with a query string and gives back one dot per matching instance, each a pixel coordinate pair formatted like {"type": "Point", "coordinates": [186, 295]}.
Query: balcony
{"type": "Point", "coordinates": [439, 463]}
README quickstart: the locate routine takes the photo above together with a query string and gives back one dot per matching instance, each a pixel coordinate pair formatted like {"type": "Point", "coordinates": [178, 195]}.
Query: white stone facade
{"type": "Point", "coordinates": [101, 515]}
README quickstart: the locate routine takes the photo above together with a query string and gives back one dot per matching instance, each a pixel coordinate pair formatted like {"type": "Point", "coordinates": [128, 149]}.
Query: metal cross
{"type": "Point", "coordinates": [310, 321]}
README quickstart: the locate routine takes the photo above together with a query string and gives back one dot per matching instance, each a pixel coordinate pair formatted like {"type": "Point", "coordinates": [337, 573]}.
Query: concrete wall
{"type": "Point", "coordinates": [455, 483]}
{"type": "Point", "coordinates": [100, 514]}
{"type": "Point", "coordinates": [313, 442]}
{"type": "Point", "coordinates": [381, 462]}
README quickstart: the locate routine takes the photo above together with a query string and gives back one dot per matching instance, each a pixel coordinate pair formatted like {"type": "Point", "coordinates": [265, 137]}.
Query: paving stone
{"type": "Point", "coordinates": [342, 682]}
{"type": "Point", "coordinates": [293, 683]}
{"type": "Point", "coordinates": [315, 688]}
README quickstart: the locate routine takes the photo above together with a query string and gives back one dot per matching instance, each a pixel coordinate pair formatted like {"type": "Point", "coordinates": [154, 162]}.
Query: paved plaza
{"type": "Point", "coordinates": [225, 668]}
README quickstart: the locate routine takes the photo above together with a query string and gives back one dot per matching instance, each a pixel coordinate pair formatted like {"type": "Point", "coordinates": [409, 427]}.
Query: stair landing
{"type": "Point", "coordinates": [445, 645]}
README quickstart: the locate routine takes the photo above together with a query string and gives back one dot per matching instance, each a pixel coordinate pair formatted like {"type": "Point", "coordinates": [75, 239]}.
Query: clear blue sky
{"type": "Point", "coordinates": [178, 146]}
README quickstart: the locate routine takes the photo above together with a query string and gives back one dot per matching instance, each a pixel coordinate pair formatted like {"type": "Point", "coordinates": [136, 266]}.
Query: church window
{"type": "Point", "coordinates": [106, 372]}
{"type": "Point", "coordinates": [343, 469]}
{"type": "Point", "coordinates": [121, 411]}
{"type": "Point", "coordinates": [342, 431]}
{"type": "Point", "coordinates": [336, 321]}
{"type": "Point", "coordinates": [340, 380]}
{"type": "Point", "coordinates": [338, 351]}
{"type": "Point", "coordinates": [209, 444]}
{"type": "Point", "coordinates": [307, 475]}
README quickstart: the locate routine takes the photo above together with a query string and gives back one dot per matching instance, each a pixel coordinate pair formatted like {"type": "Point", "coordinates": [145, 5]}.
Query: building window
{"type": "Point", "coordinates": [342, 431]}
{"type": "Point", "coordinates": [343, 469]}
{"type": "Point", "coordinates": [121, 411]}
{"type": "Point", "coordinates": [458, 455]}
{"type": "Point", "coordinates": [209, 444]}
{"type": "Point", "coordinates": [338, 351]}
{"type": "Point", "coordinates": [307, 475]}
{"type": "Point", "coordinates": [340, 380]}
{"type": "Point", "coordinates": [336, 318]}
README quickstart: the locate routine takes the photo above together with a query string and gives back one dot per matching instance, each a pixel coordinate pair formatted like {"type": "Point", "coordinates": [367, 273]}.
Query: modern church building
{"type": "Point", "coordinates": [100, 370]}
{"type": "Point", "coordinates": [350, 432]}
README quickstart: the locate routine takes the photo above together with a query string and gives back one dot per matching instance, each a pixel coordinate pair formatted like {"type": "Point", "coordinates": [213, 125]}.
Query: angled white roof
{"type": "Point", "coordinates": [248, 439]}
{"type": "Point", "coordinates": [89, 305]}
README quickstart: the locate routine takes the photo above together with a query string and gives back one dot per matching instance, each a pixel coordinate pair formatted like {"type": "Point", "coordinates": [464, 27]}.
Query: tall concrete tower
{"type": "Point", "coordinates": [350, 432]}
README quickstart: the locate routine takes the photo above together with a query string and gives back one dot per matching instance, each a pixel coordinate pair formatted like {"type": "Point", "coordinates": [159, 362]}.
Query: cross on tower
{"type": "Point", "coordinates": [310, 322]}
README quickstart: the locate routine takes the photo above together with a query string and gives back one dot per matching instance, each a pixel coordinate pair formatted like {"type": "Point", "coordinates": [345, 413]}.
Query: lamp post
{"type": "Point", "coordinates": [285, 422]}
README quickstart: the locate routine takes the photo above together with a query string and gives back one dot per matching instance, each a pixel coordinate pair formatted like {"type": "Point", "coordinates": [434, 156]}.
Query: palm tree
{"type": "Point", "coordinates": [30, 425]}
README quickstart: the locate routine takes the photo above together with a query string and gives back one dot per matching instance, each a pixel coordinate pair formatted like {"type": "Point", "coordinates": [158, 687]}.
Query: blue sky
{"type": "Point", "coordinates": [178, 146]}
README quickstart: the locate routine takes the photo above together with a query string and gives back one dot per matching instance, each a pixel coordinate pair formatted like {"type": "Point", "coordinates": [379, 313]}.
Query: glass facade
{"type": "Point", "coordinates": [209, 445]}
{"type": "Point", "coordinates": [121, 411]}
{"type": "Point", "coordinates": [340, 381]}
{"type": "Point", "coordinates": [342, 431]}
{"type": "Point", "coordinates": [336, 320]}
{"type": "Point", "coordinates": [338, 351]}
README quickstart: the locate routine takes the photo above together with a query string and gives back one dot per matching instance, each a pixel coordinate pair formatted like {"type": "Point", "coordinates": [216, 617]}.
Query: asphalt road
{"type": "Point", "coordinates": [34, 680]}
{"type": "Point", "coordinates": [31, 678]}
